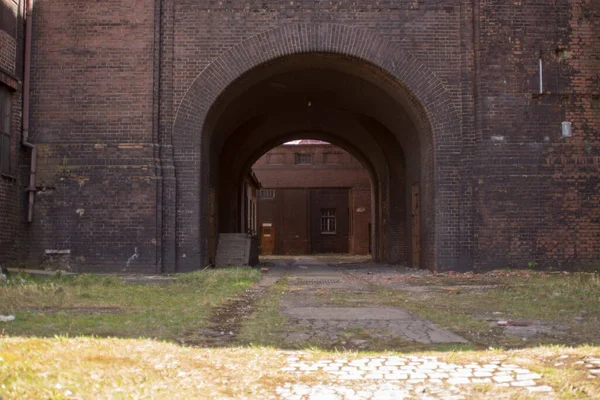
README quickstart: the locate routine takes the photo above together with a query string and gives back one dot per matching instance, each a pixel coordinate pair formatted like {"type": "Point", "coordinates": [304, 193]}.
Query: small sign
{"type": "Point", "coordinates": [267, 224]}
{"type": "Point", "coordinates": [566, 129]}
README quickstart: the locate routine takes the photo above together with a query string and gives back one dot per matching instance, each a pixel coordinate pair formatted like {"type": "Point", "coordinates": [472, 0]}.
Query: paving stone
{"type": "Point", "coordinates": [502, 379]}
{"type": "Point", "coordinates": [540, 389]}
{"type": "Point", "coordinates": [438, 375]}
{"type": "Point", "coordinates": [374, 376]}
{"type": "Point", "coordinates": [522, 371]}
{"type": "Point", "coordinates": [396, 376]}
{"type": "Point", "coordinates": [523, 383]}
{"type": "Point", "coordinates": [482, 374]}
{"type": "Point", "coordinates": [461, 374]}
{"type": "Point", "coordinates": [530, 376]}
{"type": "Point", "coordinates": [459, 381]}
{"type": "Point", "coordinates": [352, 377]}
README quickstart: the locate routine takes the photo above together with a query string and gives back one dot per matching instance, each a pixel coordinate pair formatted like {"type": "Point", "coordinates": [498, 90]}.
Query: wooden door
{"type": "Point", "coordinates": [416, 226]}
{"type": "Point", "coordinates": [267, 239]}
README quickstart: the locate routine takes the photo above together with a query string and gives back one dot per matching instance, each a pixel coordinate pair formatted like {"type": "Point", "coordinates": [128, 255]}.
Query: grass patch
{"type": "Point", "coordinates": [263, 326]}
{"type": "Point", "coordinates": [103, 305]}
{"type": "Point", "coordinates": [568, 301]}
{"type": "Point", "coordinates": [89, 368]}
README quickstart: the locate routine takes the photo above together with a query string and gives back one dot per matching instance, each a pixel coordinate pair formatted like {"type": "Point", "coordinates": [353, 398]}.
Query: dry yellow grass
{"type": "Point", "coordinates": [91, 368]}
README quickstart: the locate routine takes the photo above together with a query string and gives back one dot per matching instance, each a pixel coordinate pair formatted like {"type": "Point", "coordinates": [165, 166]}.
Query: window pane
{"type": "Point", "coordinates": [267, 194]}
{"type": "Point", "coordinates": [303, 158]}
{"type": "Point", "coordinates": [6, 122]}
{"type": "Point", "coordinates": [328, 221]}
{"type": "Point", "coordinates": [4, 154]}
{"type": "Point", "coordinates": [3, 94]}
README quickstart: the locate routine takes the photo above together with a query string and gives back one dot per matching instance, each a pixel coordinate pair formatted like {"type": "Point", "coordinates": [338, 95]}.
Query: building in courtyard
{"type": "Point", "coordinates": [128, 129]}
{"type": "Point", "coordinates": [316, 198]}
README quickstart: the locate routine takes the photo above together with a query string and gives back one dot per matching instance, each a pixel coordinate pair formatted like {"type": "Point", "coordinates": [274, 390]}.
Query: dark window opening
{"type": "Point", "coordinates": [303, 158]}
{"type": "Point", "coordinates": [8, 18]}
{"type": "Point", "coordinates": [5, 119]}
{"type": "Point", "coordinates": [266, 194]}
{"type": "Point", "coordinates": [328, 221]}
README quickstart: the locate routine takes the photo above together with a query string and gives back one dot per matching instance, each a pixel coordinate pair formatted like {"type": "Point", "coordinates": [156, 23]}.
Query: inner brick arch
{"type": "Point", "coordinates": [378, 176]}
{"type": "Point", "coordinates": [418, 90]}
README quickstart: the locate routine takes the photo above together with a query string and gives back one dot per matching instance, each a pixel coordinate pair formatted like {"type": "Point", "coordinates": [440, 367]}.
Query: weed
{"type": "Point", "coordinates": [532, 264]}
{"type": "Point", "coordinates": [263, 326]}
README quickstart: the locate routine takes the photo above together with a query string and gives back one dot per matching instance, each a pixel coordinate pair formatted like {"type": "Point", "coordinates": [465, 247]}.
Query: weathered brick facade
{"type": "Point", "coordinates": [11, 34]}
{"type": "Point", "coordinates": [147, 114]}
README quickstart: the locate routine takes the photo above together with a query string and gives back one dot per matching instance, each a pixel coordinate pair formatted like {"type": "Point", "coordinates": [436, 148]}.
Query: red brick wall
{"type": "Point", "coordinates": [92, 120]}
{"type": "Point", "coordinates": [110, 79]}
{"type": "Point", "coordinates": [537, 192]}
{"type": "Point", "coordinates": [10, 36]}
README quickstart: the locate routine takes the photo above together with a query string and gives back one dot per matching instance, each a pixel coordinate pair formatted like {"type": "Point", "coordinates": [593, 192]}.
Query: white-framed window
{"type": "Point", "coordinates": [328, 222]}
{"type": "Point", "coordinates": [266, 194]}
{"type": "Point", "coordinates": [303, 158]}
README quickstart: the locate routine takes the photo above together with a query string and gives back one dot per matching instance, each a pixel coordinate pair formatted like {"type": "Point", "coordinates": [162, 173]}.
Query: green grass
{"type": "Point", "coordinates": [571, 301]}
{"type": "Point", "coordinates": [263, 326]}
{"type": "Point", "coordinates": [106, 306]}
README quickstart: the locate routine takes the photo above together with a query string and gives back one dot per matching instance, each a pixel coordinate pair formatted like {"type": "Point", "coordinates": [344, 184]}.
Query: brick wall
{"type": "Point", "coordinates": [10, 35]}
{"type": "Point", "coordinates": [92, 120]}
{"type": "Point", "coordinates": [537, 192]}
{"type": "Point", "coordinates": [122, 94]}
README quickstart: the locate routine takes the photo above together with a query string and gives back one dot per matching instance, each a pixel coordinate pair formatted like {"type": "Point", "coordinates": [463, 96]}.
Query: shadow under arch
{"type": "Point", "coordinates": [417, 89]}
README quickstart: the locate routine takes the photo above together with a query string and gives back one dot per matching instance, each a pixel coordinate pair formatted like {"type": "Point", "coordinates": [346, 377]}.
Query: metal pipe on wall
{"type": "Point", "coordinates": [541, 75]}
{"type": "Point", "coordinates": [31, 189]}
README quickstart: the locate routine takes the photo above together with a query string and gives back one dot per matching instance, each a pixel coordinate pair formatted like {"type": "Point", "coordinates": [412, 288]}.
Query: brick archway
{"type": "Point", "coordinates": [422, 91]}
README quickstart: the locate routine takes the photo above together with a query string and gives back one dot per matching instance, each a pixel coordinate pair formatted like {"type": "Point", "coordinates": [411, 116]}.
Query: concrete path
{"type": "Point", "coordinates": [310, 321]}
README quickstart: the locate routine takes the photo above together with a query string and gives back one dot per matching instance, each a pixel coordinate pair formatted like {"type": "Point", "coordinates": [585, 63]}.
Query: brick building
{"type": "Point", "coordinates": [316, 198]}
{"type": "Point", "coordinates": [11, 64]}
{"type": "Point", "coordinates": [146, 116]}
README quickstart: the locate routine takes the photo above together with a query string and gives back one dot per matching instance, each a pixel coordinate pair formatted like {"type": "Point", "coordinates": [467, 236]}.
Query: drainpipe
{"type": "Point", "coordinates": [25, 136]}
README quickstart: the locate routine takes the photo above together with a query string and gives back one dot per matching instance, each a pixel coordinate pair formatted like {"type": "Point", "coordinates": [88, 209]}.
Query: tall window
{"type": "Point", "coordinates": [328, 221]}
{"type": "Point", "coordinates": [303, 158]}
{"type": "Point", "coordinates": [5, 116]}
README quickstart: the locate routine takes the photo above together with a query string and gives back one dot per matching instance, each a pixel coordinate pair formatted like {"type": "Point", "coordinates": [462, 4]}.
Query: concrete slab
{"type": "Point", "coordinates": [348, 313]}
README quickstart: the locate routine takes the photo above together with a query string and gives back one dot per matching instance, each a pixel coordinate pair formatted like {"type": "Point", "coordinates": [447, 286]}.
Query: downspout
{"type": "Point", "coordinates": [25, 136]}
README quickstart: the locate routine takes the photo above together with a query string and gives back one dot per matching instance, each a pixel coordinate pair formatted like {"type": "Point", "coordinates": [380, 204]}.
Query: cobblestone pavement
{"type": "Point", "coordinates": [408, 377]}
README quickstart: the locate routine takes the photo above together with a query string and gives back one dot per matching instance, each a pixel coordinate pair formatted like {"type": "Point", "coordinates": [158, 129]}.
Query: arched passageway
{"type": "Point", "coordinates": [231, 117]}
{"type": "Point", "coordinates": [328, 98]}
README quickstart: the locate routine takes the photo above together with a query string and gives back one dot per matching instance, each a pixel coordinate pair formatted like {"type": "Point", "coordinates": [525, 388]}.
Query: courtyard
{"type": "Point", "coordinates": [306, 327]}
